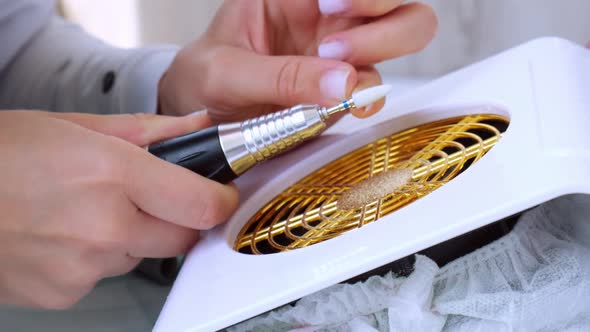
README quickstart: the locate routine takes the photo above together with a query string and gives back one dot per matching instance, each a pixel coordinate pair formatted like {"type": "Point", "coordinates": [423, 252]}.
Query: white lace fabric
{"type": "Point", "coordinates": [536, 278]}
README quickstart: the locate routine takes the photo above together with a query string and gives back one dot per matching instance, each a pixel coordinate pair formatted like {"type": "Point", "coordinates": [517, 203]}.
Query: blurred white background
{"type": "Point", "coordinates": [469, 30]}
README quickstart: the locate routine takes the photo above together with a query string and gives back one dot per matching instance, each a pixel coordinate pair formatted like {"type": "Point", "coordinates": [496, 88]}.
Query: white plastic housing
{"type": "Point", "coordinates": [542, 86]}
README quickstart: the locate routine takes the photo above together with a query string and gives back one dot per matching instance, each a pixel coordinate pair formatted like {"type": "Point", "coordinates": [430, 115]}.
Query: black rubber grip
{"type": "Point", "coordinates": [199, 151]}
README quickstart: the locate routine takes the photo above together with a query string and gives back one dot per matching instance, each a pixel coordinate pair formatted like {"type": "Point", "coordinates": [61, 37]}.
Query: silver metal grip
{"type": "Point", "coordinates": [256, 140]}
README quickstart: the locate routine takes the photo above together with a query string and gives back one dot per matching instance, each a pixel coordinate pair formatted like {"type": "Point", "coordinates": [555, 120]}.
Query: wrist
{"type": "Point", "coordinates": [159, 99]}
{"type": "Point", "coordinates": [142, 81]}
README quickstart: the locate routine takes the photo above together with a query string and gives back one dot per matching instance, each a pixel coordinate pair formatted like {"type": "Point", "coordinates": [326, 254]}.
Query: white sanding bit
{"type": "Point", "coordinates": [224, 152]}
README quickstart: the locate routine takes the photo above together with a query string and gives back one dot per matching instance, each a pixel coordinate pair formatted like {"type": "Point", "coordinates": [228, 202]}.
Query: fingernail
{"type": "Point", "coordinates": [328, 7]}
{"type": "Point", "coordinates": [333, 50]}
{"type": "Point", "coordinates": [197, 113]}
{"type": "Point", "coordinates": [333, 84]}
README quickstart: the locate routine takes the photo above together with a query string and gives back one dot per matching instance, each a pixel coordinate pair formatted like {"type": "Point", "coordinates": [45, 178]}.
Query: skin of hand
{"type": "Point", "coordinates": [258, 56]}
{"type": "Point", "coordinates": [81, 201]}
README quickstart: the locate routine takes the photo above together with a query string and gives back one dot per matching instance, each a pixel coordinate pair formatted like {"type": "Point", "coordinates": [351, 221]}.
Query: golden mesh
{"type": "Point", "coordinates": [306, 212]}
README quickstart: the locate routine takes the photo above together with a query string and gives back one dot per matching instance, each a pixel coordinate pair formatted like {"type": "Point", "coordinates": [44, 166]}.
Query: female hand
{"type": "Point", "coordinates": [81, 201]}
{"type": "Point", "coordinates": [259, 55]}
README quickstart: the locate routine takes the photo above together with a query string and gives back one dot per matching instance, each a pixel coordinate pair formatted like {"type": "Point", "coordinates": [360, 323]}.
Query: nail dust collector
{"type": "Point", "coordinates": [482, 144]}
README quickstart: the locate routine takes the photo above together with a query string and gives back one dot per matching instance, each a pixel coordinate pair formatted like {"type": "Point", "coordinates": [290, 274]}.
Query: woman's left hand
{"type": "Point", "coordinates": [260, 55]}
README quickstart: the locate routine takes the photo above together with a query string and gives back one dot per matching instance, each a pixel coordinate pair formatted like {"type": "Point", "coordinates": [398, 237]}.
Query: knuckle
{"type": "Point", "coordinates": [109, 227]}
{"type": "Point", "coordinates": [210, 214]}
{"type": "Point", "coordinates": [136, 129]}
{"type": "Point", "coordinates": [108, 233]}
{"type": "Point", "coordinates": [105, 239]}
{"type": "Point", "coordinates": [56, 301]}
{"type": "Point", "coordinates": [216, 210]}
{"type": "Point", "coordinates": [212, 76]}
{"type": "Point", "coordinates": [87, 277]}
{"type": "Point", "coordinates": [429, 19]}
{"type": "Point", "coordinates": [99, 241]}
{"type": "Point", "coordinates": [107, 168]}
{"type": "Point", "coordinates": [287, 84]}
{"type": "Point", "coordinates": [132, 263]}
{"type": "Point", "coordinates": [75, 275]}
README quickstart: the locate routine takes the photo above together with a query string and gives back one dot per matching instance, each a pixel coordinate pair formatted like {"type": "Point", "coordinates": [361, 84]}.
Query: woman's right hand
{"type": "Point", "coordinates": [80, 200]}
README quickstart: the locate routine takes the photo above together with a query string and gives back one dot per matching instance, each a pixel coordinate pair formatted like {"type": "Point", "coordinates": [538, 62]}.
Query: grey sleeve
{"type": "Point", "coordinates": [63, 69]}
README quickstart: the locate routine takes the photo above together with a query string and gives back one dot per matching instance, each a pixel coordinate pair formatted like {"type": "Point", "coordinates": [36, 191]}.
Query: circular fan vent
{"type": "Point", "coordinates": [307, 213]}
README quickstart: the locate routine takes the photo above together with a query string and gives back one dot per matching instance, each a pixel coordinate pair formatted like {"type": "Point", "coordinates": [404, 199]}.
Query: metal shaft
{"type": "Point", "coordinates": [255, 140]}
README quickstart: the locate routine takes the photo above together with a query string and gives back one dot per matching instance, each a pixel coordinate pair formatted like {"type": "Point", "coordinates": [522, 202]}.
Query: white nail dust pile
{"type": "Point", "coordinates": [374, 188]}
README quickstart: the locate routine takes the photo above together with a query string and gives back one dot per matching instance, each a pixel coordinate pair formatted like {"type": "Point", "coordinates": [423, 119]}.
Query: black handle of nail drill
{"type": "Point", "coordinates": [199, 151]}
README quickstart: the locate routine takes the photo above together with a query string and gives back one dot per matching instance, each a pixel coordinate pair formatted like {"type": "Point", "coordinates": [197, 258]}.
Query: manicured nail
{"type": "Point", "coordinates": [336, 49]}
{"type": "Point", "coordinates": [197, 113]}
{"type": "Point", "coordinates": [333, 84]}
{"type": "Point", "coordinates": [329, 7]}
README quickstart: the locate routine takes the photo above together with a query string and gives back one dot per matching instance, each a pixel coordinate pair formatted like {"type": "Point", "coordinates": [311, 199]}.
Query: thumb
{"type": "Point", "coordinates": [281, 80]}
{"type": "Point", "coordinates": [139, 129]}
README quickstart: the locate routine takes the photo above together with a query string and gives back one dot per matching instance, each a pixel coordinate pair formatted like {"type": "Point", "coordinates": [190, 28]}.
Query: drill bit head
{"type": "Point", "coordinates": [362, 98]}
{"type": "Point", "coordinates": [368, 96]}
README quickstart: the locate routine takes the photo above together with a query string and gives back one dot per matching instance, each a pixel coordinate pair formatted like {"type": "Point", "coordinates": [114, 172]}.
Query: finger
{"type": "Point", "coordinates": [358, 8]}
{"type": "Point", "coordinates": [150, 237]}
{"type": "Point", "coordinates": [406, 30]}
{"type": "Point", "coordinates": [277, 80]}
{"type": "Point", "coordinates": [139, 129]}
{"type": "Point", "coordinates": [368, 77]}
{"type": "Point", "coordinates": [175, 194]}
{"type": "Point", "coordinates": [123, 265]}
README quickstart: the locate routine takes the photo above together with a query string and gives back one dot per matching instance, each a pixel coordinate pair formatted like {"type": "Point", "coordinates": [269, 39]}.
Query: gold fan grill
{"type": "Point", "coordinates": [306, 212]}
